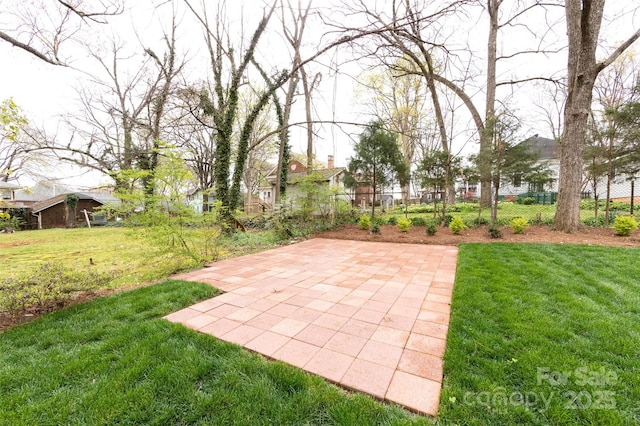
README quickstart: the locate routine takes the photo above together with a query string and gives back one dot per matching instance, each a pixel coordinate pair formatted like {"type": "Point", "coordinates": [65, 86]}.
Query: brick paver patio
{"type": "Point", "coordinates": [372, 317]}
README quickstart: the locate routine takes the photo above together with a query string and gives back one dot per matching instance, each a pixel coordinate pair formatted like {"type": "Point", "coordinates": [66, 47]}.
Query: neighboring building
{"type": "Point", "coordinates": [548, 152]}
{"type": "Point", "coordinates": [53, 212]}
{"type": "Point", "coordinates": [329, 176]}
{"type": "Point", "coordinates": [7, 191]}
{"type": "Point", "coordinates": [197, 200]}
{"type": "Point", "coordinates": [41, 191]}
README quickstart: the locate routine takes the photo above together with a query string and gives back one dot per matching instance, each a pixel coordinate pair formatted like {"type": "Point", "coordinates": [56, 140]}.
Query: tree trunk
{"type": "Point", "coordinates": [494, 204]}
{"type": "Point", "coordinates": [373, 197]}
{"type": "Point", "coordinates": [583, 26]}
{"type": "Point", "coordinates": [490, 114]}
{"type": "Point", "coordinates": [284, 138]}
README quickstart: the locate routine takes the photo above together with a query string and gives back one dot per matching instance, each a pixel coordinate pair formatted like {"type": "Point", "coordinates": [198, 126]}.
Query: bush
{"type": "Point", "coordinates": [479, 221]}
{"type": "Point", "coordinates": [8, 221]}
{"type": "Point", "coordinates": [418, 221]}
{"type": "Point", "coordinates": [393, 220]}
{"type": "Point", "coordinates": [588, 204]}
{"type": "Point", "coordinates": [624, 225]}
{"type": "Point", "coordinates": [364, 222]}
{"type": "Point", "coordinates": [47, 286]}
{"type": "Point", "coordinates": [527, 201]}
{"type": "Point", "coordinates": [594, 221]}
{"type": "Point", "coordinates": [519, 224]}
{"type": "Point", "coordinates": [432, 228]}
{"type": "Point", "coordinates": [502, 221]}
{"type": "Point", "coordinates": [375, 228]}
{"type": "Point", "coordinates": [620, 207]}
{"type": "Point", "coordinates": [494, 231]}
{"type": "Point", "coordinates": [447, 219]}
{"type": "Point", "coordinates": [457, 225]}
{"type": "Point", "coordinates": [548, 220]}
{"type": "Point", "coordinates": [404, 224]}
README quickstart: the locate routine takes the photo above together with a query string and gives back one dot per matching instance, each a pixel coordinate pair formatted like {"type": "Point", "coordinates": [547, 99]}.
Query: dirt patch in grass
{"type": "Point", "coordinates": [444, 236]}
{"type": "Point", "coordinates": [17, 244]}
{"type": "Point", "coordinates": [7, 321]}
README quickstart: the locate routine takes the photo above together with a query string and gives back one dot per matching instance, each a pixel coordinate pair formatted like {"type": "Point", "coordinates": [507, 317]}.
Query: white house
{"type": "Point", "coordinates": [548, 149]}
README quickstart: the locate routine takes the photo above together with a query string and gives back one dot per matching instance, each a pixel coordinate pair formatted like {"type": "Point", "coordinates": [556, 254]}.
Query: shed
{"type": "Point", "coordinates": [53, 212]}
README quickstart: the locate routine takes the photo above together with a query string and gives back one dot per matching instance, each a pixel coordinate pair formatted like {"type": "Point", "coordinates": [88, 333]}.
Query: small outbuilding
{"type": "Point", "coordinates": [57, 212]}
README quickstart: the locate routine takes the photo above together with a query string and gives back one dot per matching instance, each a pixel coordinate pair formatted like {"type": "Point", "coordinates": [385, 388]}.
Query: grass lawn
{"type": "Point", "coordinates": [544, 334]}
{"type": "Point", "coordinates": [469, 212]}
{"type": "Point", "coordinates": [121, 251]}
{"type": "Point", "coordinates": [539, 334]}
{"type": "Point", "coordinates": [115, 361]}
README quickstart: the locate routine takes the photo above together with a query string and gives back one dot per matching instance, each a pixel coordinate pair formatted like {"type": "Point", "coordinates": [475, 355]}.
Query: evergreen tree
{"type": "Point", "coordinates": [377, 161]}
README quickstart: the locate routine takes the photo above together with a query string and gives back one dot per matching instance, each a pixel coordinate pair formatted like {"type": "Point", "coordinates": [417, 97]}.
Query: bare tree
{"type": "Point", "coordinates": [193, 132]}
{"type": "Point", "coordinates": [122, 113]}
{"type": "Point", "coordinates": [584, 19]}
{"type": "Point", "coordinates": [42, 28]}
{"type": "Point", "coordinates": [550, 105]}
{"type": "Point", "coordinates": [399, 100]}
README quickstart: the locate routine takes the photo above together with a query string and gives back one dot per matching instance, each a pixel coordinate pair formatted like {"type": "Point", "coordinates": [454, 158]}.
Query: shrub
{"type": "Point", "coordinates": [432, 228]}
{"type": "Point", "coordinates": [364, 222]}
{"type": "Point", "coordinates": [625, 225]}
{"type": "Point", "coordinates": [375, 228]}
{"type": "Point", "coordinates": [548, 220]}
{"type": "Point", "coordinates": [393, 220]}
{"type": "Point", "coordinates": [527, 201]}
{"type": "Point", "coordinates": [594, 221]}
{"type": "Point", "coordinates": [494, 231]}
{"type": "Point", "coordinates": [418, 221]}
{"type": "Point", "coordinates": [9, 221]}
{"type": "Point", "coordinates": [447, 219]}
{"type": "Point", "coordinates": [479, 221]}
{"type": "Point", "coordinates": [502, 221]}
{"type": "Point", "coordinates": [588, 204]}
{"type": "Point", "coordinates": [404, 224]}
{"type": "Point", "coordinates": [45, 287]}
{"type": "Point", "coordinates": [457, 225]}
{"type": "Point", "coordinates": [519, 224]}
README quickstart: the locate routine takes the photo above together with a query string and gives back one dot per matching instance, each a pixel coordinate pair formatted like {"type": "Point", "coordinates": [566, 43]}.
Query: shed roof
{"type": "Point", "coordinates": [95, 196]}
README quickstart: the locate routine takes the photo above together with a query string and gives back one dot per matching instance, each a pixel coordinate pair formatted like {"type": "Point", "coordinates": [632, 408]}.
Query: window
{"type": "Point", "coordinates": [6, 194]}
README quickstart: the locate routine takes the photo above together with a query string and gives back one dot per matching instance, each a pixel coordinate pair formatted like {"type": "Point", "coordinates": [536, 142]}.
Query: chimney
{"type": "Point", "coordinates": [330, 164]}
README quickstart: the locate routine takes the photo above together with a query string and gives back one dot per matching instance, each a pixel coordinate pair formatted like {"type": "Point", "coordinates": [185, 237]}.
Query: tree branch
{"type": "Point", "coordinates": [89, 15]}
{"type": "Point", "coordinates": [524, 80]}
{"type": "Point", "coordinates": [602, 65]}
{"type": "Point", "coordinates": [53, 61]}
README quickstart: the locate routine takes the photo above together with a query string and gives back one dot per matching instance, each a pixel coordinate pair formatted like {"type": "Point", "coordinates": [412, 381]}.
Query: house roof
{"type": "Point", "coordinates": [42, 191]}
{"type": "Point", "coordinates": [9, 185]}
{"type": "Point", "coordinates": [295, 177]}
{"type": "Point", "coordinates": [95, 196]}
{"type": "Point", "coordinates": [545, 147]}
{"type": "Point", "coordinates": [322, 174]}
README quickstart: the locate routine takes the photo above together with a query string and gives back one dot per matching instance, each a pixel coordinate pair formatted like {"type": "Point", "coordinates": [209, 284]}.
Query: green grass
{"type": "Point", "coordinates": [506, 211]}
{"type": "Point", "coordinates": [518, 308]}
{"type": "Point", "coordinates": [115, 361]}
{"type": "Point", "coordinates": [121, 251]}
{"type": "Point", "coordinates": [555, 324]}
